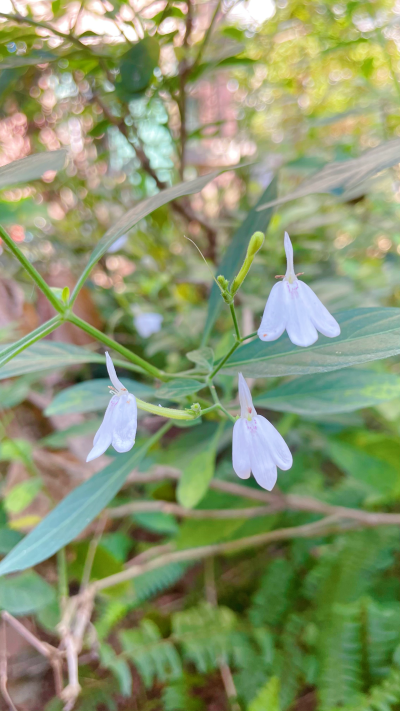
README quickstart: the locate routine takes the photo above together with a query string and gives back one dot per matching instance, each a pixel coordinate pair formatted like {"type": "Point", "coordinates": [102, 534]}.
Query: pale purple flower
{"type": "Point", "coordinates": [120, 421]}
{"type": "Point", "coordinates": [256, 445]}
{"type": "Point", "coordinates": [147, 323]}
{"type": "Point", "coordinates": [293, 306]}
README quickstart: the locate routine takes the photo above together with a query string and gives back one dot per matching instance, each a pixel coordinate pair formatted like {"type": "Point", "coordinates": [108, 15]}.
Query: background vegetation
{"type": "Point", "coordinates": [225, 597]}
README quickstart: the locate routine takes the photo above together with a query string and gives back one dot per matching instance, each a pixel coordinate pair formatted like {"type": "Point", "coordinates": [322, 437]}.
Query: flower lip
{"type": "Point", "coordinates": [113, 375]}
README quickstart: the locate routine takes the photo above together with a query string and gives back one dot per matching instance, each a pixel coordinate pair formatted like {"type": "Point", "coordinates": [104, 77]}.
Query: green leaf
{"type": "Point", "coordinates": [32, 167]}
{"type": "Point", "coordinates": [178, 389]}
{"type": "Point", "coordinates": [331, 392]}
{"type": "Point", "coordinates": [137, 213]}
{"type": "Point", "coordinates": [378, 476]}
{"type": "Point", "coordinates": [138, 64]}
{"type": "Point", "coordinates": [21, 495]}
{"type": "Point", "coordinates": [204, 357]}
{"type": "Point", "coordinates": [341, 176]}
{"type": "Point", "coordinates": [24, 594]}
{"type": "Point", "coordinates": [92, 395]}
{"type": "Point", "coordinates": [367, 334]}
{"type": "Point", "coordinates": [8, 539]}
{"type": "Point", "coordinates": [157, 521]}
{"type": "Point", "coordinates": [268, 697]}
{"type": "Point", "coordinates": [236, 252]}
{"type": "Point", "coordinates": [72, 514]}
{"type": "Point", "coordinates": [46, 355]}
{"type": "Point", "coordinates": [27, 60]}
{"type": "Point", "coordinates": [198, 472]}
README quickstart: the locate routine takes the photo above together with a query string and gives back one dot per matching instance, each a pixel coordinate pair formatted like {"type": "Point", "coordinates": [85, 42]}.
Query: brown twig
{"type": "Point", "coordinates": [21, 20]}
{"type": "Point", "coordinates": [3, 669]}
{"type": "Point", "coordinates": [276, 501]}
{"type": "Point", "coordinates": [51, 653]}
{"type": "Point", "coordinates": [182, 209]}
{"type": "Point", "coordinates": [326, 526]}
{"type": "Point", "coordinates": [177, 510]}
{"type": "Point", "coordinates": [101, 524]}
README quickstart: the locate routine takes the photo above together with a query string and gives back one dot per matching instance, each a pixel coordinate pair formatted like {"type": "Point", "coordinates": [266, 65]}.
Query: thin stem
{"type": "Point", "coordinates": [39, 281]}
{"type": "Point", "coordinates": [251, 335]}
{"type": "Point", "coordinates": [207, 36]}
{"type": "Point", "coordinates": [166, 411]}
{"type": "Point", "coordinates": [223, 361]}
{"type": "Point", "coordinates": [235, 321]}
{"type": "Point", "coordinates": [323, 527]}
{"type": "Point", "coordinates": [218, 403]}
{"type": "Point", "coordinates": [103, 338]}
{"type": "Point", "coordinates": [21, 20]}
{"type": "Point", "coordinates": [62, 577]}
{"type": "Point", "coordinates": [15, 348]}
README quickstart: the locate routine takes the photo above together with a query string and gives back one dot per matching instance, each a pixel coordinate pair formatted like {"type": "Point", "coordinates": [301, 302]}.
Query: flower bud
{"type": "Point", "coordinates": [255, 243]}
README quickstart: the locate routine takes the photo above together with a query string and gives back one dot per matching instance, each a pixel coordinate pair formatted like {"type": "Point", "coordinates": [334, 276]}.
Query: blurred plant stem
{"type": "Point", "coordinates": [37, 278]}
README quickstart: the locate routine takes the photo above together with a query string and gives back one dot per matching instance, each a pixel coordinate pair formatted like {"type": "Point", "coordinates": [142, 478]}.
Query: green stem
{"type": "Point", "coordinates": [251, 335]}
{"type": "Point", "coordinates": [62, 577]}
{"type": "Point", "coordinates": [218, 403]}
{"type": "Point", "coordinates": [235, 322]}
{"type": "Point", "coordinates": [166, 411]}
{"type": "Point", "coordinates": [223, 361]}
{"type": "Point", "coordinates": [103, 338]}
{"type": "Point", "coordinates": [15, 348]}
{"type": "Point", "coordinates": [39, 281]}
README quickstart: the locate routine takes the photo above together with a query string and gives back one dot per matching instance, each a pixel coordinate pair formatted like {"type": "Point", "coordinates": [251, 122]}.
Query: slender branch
{"type": "Point", "coordinates": [37, 278]}
{"type": "Point", "coordinates": [323, 527]}
{"type": "Point", "coordinates": [184, 210]}
{"type": "Point", "coordinates": [103, 338]}
{"type": "Point", "coordinates": [207, 36]}
{"type": "Point", "coordinates": [14, 349]}
{"type": "Point", "coordinates": [235, 321]}
{"type": "Point", "coordinates": [177, 510]}
{"type": "Point", "coordinates": [3, 669]}
{"type": "Point", "coordinates": [21, 20]}
{"type": "Point", "coordinates": [278, 501]}
{"type": "Point", "coordinates": [93, 545]}
{"type": "Point", "coordinates": [223, 361]}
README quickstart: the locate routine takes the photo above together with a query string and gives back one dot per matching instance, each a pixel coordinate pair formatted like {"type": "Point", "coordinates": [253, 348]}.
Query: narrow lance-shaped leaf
{"type": "Point", "coordinates": [366, 335]}
{"type": "Point", "coordinates": [235, 253]}
{"type": "Point", "coordinates": [137, 213]}
{"type": "Point", "coordinates": [32, 167]}
{"type": "Point", "coordinates": [340, 176]}
{"type": "Point", "coordinates": [17, 350]}
{"type": "Point", "coordinates": [74, 513]}
{"type": "Point", "coordinates": [330, 393]}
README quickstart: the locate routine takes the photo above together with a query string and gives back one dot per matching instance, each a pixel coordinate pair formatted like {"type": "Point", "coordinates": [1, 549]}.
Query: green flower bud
{"type": "Point", "coordinates": [255, 243]}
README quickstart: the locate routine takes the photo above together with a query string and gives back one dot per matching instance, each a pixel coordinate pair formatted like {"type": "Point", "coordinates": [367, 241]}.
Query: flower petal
{"type": "Point", "coordinates": [124, 423]}
{"type": "Point", "coordinates": [103, 436]}
{"type": "Point", "coordinates": [299, 326]}
{"type": "Point", "coordinates": [240, 450]}
{"type": "Point", "coordinates": [262, 464]}
{"type": "Point", "coordinates": [112, 374]}
{"type": "Point", "coordinates": [319, 315]}
{"type": "Point", "coordinates": [289, 255]}
{"type": "Point", "coordinates": [245, 399]}
{"type": "Point", "coordinates": [279, 451]}
{"type": "Point", "coordinates": [273, 322]}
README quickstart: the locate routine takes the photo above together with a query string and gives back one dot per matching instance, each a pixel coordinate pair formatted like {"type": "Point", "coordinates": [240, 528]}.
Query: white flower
{"type": "Point", "coordinates": [120, 421]}
{"type": "Point", "coordinates": [256, 445]}
{"type": "Point", "coordinates": [147, 324]}
{"type": "Point", "coordinates": [293, 306]}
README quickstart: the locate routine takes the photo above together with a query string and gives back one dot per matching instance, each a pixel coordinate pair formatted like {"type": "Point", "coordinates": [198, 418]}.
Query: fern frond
{"type": "Point", "coordinates": [205, 634]}
{"type": "Point", "coordinates": [268, 697]}
{"type": "Point", "coordinates": [113, 612]}
{"type": "Point", "coordinates": [179, 695]}
{"type": "Point", "coordinates": [271, 600]}
{"type": "Point", "coordinates": [118, 667]}
{"type": "Point", "coordinates": [153, 656]}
